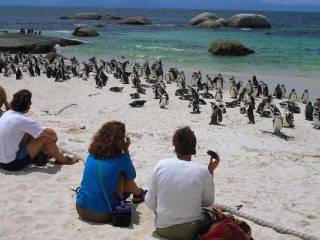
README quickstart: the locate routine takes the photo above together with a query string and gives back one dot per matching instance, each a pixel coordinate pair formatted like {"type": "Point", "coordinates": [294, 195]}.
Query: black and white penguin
{"type": "Point", "coordinates": [116, 89]}
{"type": "Point", "coordinates": [293, 97]}
{"type": "Point", "coordinates": [137, 103]}
{"type": "Point", "coordinates": [19, 75]}
{"type": "Point", "coordinates": [250, 110]}
{"type": "Point", "coordinates": [284, 90]}
{"type": "Point", "coordinates": [309, 111]}
{"type": "Point", "coordinates": [278, 92]}
{"type": "Point", "coordinates": [277, 122]}
{"type": "Point", "coordinates": [219, 95]}
{"type": "Point", "coordinates": [216, 116]}
{"type": "Point", "coordinates": [305, 97]}
{"type": "Point", "coordinates": [164, 99]}
{"type": "Point", "coordinates": [316, 119]}
{"type": "Point", "coordinates": [220, 82]}
{"type": "Point", "coordinates": [288, 120]}
{"type": "Point", "coordinates": [98, 81]}
{"type": "Point", "coordinates": [195, 106]}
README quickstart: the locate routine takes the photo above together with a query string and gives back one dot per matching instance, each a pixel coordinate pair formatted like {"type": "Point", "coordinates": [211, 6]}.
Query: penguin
{"type": "Point", "coordinates": [98, 81]}
{"type": "Point", "coordinates": [293, 97]}
{"type": "Point", "coordinates": [309, 112]}
{"type": "Point", "coordinates": [278, 92]}
{"type": "Point", "coordinates": [31, 71]}
{"type": "Point", "coordinates": [37, 69]}
{"type": "Point", "coordinates": [195, 106]}
{"type": "Point", "coordinates": [316, 119]}
{"type": "Point", "coordinates": [277, 122]}
{"type": "Point", "coordinates": [137, 103]}
{"type": "Point", "coordinates": [19, 75]}
{"type": "Point", "coordinates": [220, 82]}
{"type": "Point", "coordinates": [284, 90]}
{"type": "Point", "coordinates": [216, 116]}
{"type": "Point", "coordinates": [163, 102]}
{"type": "Point", "coordinates": [219, 95]}
{"type": "Point", "coordinates": [116, 89]}
{"type": "Point", "coordinates": [249, 87]}
{"type": "Point", "coordinates": [288, 120]}
{"type": "Point", "coordinates": [250, 110]}
{"type": "Point", "coordinates": [233, 92]}
{"type": "Point", "coordinates": [305, 97]}
{"type": "Point", "coordinates": [134, 95]}
{"type": "Point", "coordinates": [209, 82]}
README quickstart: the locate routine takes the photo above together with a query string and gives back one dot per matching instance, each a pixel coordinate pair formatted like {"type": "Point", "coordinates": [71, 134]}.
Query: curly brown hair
{"type": "Point", "coordinates": [108, 141]}
{"type": "Point", "coordinates": [3, 96]}
{"type": "Point", "coordinates": [21, 101]}
{"type": "Point", "coordinates": [184, 141]}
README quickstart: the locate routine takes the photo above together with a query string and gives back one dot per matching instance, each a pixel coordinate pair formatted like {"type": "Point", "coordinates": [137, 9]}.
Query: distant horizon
{"type": "Point", "coordinates": [223, 5]}
{"type": "Point", "coordinates": [167, 8]}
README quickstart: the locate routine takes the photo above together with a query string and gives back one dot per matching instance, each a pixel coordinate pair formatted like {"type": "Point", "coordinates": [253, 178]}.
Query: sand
{"type": "Point", "coordinates": [273, 179]}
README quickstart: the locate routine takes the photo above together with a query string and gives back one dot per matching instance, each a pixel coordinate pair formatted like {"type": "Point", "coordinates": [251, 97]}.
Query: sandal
{"type": "Point", "coordinates": [68, 160]}
{"type": "Point", "coordinates": [139, 198]}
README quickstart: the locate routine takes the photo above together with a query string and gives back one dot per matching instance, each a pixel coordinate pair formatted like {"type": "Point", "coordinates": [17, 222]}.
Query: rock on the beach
{"type": "Point", "coordinates": [249, 21]}
{"type": "Point", "coordinates": [203, 17]}
{"type": "Point", "coordinates": [85, 31]}
{"type": "Point", "coordinates": [213, 24]}
{"type": "Point", "coordinates": [136, 21]}
{"type": "Point", "coordinates": [224, 47]}
{"type": "Point", "coordinates": [34, 44]}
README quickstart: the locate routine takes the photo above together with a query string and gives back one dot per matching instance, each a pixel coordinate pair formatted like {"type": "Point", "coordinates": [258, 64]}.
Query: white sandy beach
{"type": "Point", "coordinates": [273, 179]}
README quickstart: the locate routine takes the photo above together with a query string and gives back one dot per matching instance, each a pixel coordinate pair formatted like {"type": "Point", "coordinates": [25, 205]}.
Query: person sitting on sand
{"type": "Point", "coordinates": [179, 189]}
{"type": "Point", "coordinates": [108, 162]}
{"type": "Point", "coordinates": [3, 100]}
{"type": "Point", "coordinates": [21, 138]}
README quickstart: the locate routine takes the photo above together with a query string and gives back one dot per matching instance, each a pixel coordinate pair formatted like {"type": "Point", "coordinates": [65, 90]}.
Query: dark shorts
{"type": "Point", "coordinates": [22, 160]}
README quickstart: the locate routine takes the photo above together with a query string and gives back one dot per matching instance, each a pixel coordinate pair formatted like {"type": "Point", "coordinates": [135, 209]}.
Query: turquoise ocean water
{"type": "Point", "coordinates": [291, 46]}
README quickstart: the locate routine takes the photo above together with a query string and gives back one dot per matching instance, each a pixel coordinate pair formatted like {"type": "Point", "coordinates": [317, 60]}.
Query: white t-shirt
{"type": "Point", "coordinates": [13, 126]}
{"type": "Point", "coordinates": [179, 189]}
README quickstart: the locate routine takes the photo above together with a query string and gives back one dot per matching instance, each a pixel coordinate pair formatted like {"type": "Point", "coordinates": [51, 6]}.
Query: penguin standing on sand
{"type": "Point", "coordinates": [216, 116]}
{"type": "Point", "coordinates": [305, 97]}
{"type": "Point", "coordinates": [250, 110]}
{"type": "Point", "coordinates": [277, 122]}
{"type": "Point", "coordinates": [316, 119]}
{"type": "Point", "coordinates": [19, 74]}
{"type": "Point", "coordinates": [164, 99]}
{"type": "Point", "coordinates": [309, 111]}
{"type": "Point", "coordinates": [278, 92]}
{"type": "Point", "coordinates": [218, 95]}
{"type": "Point", "coordinates": [31, 71]}
{"type": "Point", "coordinates": [293, 97]}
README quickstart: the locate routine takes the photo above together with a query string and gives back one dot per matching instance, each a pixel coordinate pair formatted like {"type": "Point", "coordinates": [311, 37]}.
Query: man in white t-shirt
{"type": "Point", "coordinates": [179, 189]}
{"type": "Point", "coordinates": [21, 138]}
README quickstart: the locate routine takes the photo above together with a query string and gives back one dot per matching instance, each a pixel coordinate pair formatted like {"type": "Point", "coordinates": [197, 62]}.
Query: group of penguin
{"type": "Point", "coordinates": [244, 95]}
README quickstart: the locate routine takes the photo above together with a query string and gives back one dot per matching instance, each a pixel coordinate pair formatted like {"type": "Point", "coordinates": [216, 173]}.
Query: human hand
{"type": "Point", "coordinates": [213, 164]}
{"type": "Point", "coordinates": [127, 142]}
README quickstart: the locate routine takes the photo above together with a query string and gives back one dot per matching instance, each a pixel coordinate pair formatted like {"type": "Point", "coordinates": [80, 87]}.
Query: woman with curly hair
{"type": "Point", "coordinates": [109, 173]}
{"type": "Point", "coordinates": [24, 141]}
{"type": "Point", "coordinates": [3, 100]}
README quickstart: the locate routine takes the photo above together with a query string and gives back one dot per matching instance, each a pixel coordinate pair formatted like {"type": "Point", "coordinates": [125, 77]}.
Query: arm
{"type": "Point", "coordinates": [6, 105]}
{"type": "Point", "coordinates": [151, 197]}
{"type": "Point", "coordinates": [208, 193]}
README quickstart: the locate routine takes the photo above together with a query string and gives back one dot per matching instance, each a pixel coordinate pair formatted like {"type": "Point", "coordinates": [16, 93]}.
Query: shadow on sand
{"type": "Point", "coordinates": [280, 135]}
{"type": "Point", "coordinates": [50, 168]}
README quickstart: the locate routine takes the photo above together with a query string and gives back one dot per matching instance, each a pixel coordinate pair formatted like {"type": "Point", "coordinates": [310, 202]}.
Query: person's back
{"type": "Point", "coordinates": [179, 189]}
{"type": "Point", "coordinates": [183, 188]}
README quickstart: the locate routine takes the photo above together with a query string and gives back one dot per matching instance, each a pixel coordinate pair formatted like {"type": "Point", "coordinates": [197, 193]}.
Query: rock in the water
{"type": "Point", "coordinates": [213, 24]}
{"type": "Point", "coordinates": [203, 17]}
{"type": "Point", "coordinates": [249, 21]}
{"type": "Point", "coordinates": [136, 21]}
{"type": "Point", "coordinates": [85, 31]}
{"type": "Point", "coordinates": [84, 16]}
{"type": "Point", "coordinates": [110, 17]}
{"type": "Point", "coordinates": [26, 43]}
{"type": "Point", "coordinates": [92, 16]}
{"type": "Point", "coordinates": [223, 47]}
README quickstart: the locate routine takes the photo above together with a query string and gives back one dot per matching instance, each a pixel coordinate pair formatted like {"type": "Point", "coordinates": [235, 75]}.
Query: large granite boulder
{"type": "Point", "coordinates": [220, 23]}
{"type": "Point", "coordinates": [34, 44]}
{"type": "Point", "coordinates": [203, 17]}
{"type": "Point", "coordinates": [84, 16]}
{"type": "Point", "coordinates": [136, 21]}
{"type": "Point", "coordinates": [249, 21]}
{"type": "Point", "coordinates": [92, 16]}
{"type": "Point", "coordinates": [224, 47]}
{"type": "Point", "coordinates": [85, 31]}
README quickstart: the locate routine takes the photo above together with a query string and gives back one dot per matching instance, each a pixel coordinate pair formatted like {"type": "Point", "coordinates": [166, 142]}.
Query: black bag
{"type": "Point", "coordinates": [121, 215]}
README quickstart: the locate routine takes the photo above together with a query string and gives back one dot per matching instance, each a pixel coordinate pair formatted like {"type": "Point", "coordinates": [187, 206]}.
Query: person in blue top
{"type": "Point", "coordinates": [108, 173]}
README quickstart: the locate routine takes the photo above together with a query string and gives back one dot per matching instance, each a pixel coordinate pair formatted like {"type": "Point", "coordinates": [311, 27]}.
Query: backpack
{"type": "Point", "coordinates": [225, 227]}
